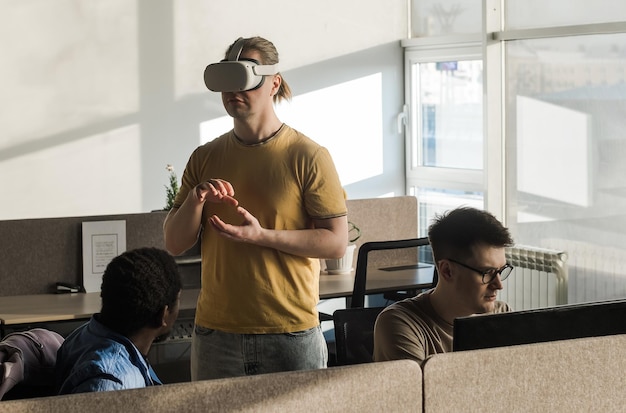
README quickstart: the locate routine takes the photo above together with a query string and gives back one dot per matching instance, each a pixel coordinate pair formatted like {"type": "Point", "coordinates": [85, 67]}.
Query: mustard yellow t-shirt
{"type": "Point", "coordinates": [284, 182]}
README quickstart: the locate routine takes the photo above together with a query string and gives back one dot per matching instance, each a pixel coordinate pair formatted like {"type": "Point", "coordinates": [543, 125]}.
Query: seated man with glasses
{"type": "Point", "coordinates": [468, 249]}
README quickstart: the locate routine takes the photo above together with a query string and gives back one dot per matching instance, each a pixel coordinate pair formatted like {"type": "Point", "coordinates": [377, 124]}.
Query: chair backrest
{"type": "Point", "coordinates": [354, 334]}
{"type": "Point", "coordinates": [27, 360]}
{"type": "Point", "coordinates": [360, 277]}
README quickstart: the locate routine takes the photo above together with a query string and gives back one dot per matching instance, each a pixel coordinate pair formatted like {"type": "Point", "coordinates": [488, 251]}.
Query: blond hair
{"type": "Point", "coordinates": [269, 56]}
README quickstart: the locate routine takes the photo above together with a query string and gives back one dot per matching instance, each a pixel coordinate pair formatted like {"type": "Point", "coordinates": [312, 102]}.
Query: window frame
{"type": "Point", "coordinates": [432, 50]}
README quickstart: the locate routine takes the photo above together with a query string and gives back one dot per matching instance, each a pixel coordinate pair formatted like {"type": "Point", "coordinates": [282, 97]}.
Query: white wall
{"type": "Point", "coordinates": [98, 96]}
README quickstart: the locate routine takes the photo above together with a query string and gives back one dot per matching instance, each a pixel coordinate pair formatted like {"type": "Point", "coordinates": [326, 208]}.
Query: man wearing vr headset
{"type": "Point", "coordinates": [267, 203]}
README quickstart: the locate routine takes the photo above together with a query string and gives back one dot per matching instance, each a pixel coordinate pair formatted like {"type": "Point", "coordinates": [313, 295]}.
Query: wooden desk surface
{"type": "Point", "coordinates": [26, 309]}
{"type": "Point", "coordinates": [378, 281]}
{"type": "Point", "coordinates": [38, 308]}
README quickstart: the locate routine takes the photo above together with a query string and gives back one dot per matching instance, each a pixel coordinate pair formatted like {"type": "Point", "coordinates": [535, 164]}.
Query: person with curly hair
{"type": "Point", "coordinates": [140, 301]}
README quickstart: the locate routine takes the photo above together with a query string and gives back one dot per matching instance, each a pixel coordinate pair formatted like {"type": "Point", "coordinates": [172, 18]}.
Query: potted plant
{"type": "Point", "coordinates": [354, 232]}
{"type": "Point", "coordinates": [344, 265]}
{"type": "Point", "coordinates": [170, 195]}
{"type": "Point", "coordinates": [172, 189]}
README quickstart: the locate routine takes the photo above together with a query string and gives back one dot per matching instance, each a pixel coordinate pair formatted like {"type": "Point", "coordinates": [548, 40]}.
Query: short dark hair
{"type": "Point", "coordinates": [454, 233]}
{"type": "Point", "coordinates": [136, 286]}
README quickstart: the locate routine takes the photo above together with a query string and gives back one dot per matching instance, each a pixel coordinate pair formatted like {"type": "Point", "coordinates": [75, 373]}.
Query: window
{"type": "Point", "coordinates": [562, 110]}
{"type": "Point", "coordinates": [445, 128]}
{"type": "Point", "coordinates": [522, 14]}
{"type": "Point", "coordinates": [553, 143]}
{"type": "Point", "coordinates": [565, 105]}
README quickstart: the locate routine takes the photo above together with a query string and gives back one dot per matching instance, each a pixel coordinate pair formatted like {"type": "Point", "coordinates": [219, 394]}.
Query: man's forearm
{"type": "Point", "coordinates": [182, 225]}
{"type": "Point", "coordinates": [312, 243]}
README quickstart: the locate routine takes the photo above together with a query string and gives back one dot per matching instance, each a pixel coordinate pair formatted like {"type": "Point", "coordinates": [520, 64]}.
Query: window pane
{"type": "Point", "coordinates": [434, 201]}
{"type": "Point", "coordinates": [450, 111]}
{"type": "Point", "coordinates": [445, 17]}
{"type": "Point", "coordinates": [526, 14]}
{"type": "Point", "coordinates": [566, 100]}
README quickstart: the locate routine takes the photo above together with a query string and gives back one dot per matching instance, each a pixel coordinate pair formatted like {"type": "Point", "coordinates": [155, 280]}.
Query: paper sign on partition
{"type": "Point", "coordinates": [102, 241]}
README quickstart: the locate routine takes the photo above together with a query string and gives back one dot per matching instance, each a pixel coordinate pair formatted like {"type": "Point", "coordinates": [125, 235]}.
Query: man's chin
{"type": "Point", "coordinates": [162, 337]}
{"type": "Point", "coordinates": [489, 307]}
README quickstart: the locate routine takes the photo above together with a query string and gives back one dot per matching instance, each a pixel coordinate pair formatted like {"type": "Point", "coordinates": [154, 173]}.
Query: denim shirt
{"type": "Point", "coordinates": [95, 358]}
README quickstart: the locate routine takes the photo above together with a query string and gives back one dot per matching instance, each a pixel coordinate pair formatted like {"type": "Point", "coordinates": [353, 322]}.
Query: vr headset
{"type": "Point", "coordinates": [235, 74]}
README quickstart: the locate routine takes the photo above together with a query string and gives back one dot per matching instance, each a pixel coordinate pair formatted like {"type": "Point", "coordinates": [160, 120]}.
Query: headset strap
{"type": "Point", "coordinates": [259, 70]}
{"type": "Point", "coordinates": [265, 70]}
{"type": "Point", "coordinates": [235, 51]}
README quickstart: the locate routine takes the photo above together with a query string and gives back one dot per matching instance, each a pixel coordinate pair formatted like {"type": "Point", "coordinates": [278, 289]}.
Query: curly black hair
{"type": "Point", "coordinates": [136, 286]}
{"type": "Point", "coordinates": [454, 233]}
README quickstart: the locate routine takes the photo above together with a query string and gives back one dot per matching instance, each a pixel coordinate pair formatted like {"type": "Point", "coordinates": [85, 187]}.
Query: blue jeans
{"type": "Point", "coordinates": [215, 354]}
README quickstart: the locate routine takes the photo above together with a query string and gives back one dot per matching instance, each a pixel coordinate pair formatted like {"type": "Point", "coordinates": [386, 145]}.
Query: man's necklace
{"type": "Point", "coordinates": [261, 142]}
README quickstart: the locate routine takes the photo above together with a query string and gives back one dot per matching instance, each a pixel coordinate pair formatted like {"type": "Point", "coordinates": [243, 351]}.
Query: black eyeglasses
{"type": "Point", "coordinates": [489, 275]}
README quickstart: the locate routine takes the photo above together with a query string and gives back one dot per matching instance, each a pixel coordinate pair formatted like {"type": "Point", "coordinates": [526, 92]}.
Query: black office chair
{"type": "Point", "coordinates": [354, 334]}
{"type": "Point", "coordinates": [325, 317]}
{"type": "Point", "coordinates": [360, 278]}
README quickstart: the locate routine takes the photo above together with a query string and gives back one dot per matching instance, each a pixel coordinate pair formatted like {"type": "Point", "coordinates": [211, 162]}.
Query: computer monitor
{"type": "Point", "coordinates": [539, 325]}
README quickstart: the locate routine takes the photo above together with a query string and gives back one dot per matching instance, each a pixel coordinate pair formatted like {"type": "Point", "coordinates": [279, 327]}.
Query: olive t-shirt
{"type": "Point", "coordinates": [411, 329]}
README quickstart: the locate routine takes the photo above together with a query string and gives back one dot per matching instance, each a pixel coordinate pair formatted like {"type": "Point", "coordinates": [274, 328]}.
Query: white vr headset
{"type": "Point", "coordinates": [235, 75]}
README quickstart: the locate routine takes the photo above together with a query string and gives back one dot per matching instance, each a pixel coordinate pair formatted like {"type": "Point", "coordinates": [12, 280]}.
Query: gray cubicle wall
{"type": "Point", "coordinates": [37, 253]}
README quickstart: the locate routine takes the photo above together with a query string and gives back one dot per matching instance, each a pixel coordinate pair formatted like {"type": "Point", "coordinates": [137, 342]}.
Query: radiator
{"type": "Point", "coordinates": [538, 280]}
{"type": "Point", "coordinates": [595, 272]}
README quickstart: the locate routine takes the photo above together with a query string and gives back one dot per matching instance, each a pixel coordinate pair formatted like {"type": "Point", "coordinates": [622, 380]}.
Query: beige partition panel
{"type": "Point", "coordinates": [383, 219]}
{"type": "Point", "coordinates": [374, 387]}
{"type": "Point", "coordinates": [582, 375]}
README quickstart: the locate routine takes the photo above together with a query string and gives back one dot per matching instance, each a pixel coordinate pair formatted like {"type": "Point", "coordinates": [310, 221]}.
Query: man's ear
{"type": "Point", "coordinates": [444, 270]}
{"type": "Point", "coordinates": [277, 80]}
{"type": "Point", "coordinates": [164, 316]}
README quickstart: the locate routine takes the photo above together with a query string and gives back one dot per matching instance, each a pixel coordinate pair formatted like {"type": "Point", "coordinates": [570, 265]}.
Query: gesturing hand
{"type": "Point", "coordinates": [217, 191]}
{"type": "Point", "coordinates": [249, 231]}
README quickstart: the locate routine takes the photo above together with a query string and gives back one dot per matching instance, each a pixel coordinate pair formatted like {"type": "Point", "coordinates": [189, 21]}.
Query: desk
{"type": "Point", "coordinates": [59, 308]}
{"type": "Point", "coordinates": [51, 308]}
{"type": "Point", "coordinates": [378, 281]}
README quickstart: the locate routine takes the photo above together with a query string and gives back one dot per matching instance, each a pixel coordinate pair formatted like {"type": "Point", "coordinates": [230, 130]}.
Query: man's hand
{"type": "Point", "coordinates": [326, 239]}
{"type": "Point", "coordinates": [249, 231]}
{"type": "Point", "coordinates": [216, 191]}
